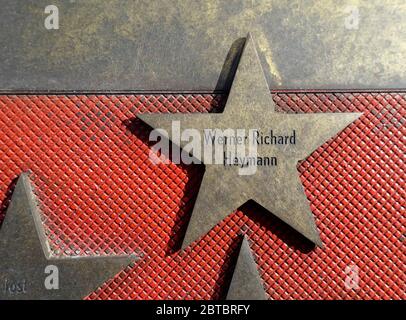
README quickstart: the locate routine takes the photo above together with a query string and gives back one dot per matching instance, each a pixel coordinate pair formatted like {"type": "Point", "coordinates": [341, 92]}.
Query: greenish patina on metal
{"type": "Point", "coordinates": [184, 45]}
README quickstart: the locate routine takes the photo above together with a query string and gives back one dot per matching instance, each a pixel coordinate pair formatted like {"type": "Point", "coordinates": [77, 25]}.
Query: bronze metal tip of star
{"type": "Point", "coordinates": [318, 243]}
{"type": "Point", "coordinates": [246, 282]}
{"type": "Point", "coordinates": [26, 256]}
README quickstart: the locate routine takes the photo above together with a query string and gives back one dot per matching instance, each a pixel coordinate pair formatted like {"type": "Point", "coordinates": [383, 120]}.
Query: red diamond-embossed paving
{"type": "Point", "coordinates": [100, 194]}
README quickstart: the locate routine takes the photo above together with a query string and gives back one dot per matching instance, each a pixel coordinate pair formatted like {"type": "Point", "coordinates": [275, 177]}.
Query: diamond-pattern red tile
{"type": "Point", "coordinates": [100, 194]}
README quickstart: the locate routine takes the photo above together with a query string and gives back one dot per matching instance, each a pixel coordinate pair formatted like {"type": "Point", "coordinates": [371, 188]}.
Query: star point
{"type": "Point", "coordinates": [26, 261]}
{"type": "Point", "coordinates": [246, 283]}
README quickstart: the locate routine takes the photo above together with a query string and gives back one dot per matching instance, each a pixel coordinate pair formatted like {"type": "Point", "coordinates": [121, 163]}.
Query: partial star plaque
{"type": "Point", "coordinates": [246, 283]}
{"type": "Point", "coordinates": [28, 270]}
{"type": "Point", "coordinates": [281, 140]}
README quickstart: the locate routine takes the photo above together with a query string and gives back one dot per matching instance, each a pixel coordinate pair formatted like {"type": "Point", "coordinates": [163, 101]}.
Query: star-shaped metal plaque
{"type": "Point", "coordinates": [281, 140]}
{"type": "Point", "coordinates": [28, 271]}
{"type": "Point", "coordinates": [246, 283]}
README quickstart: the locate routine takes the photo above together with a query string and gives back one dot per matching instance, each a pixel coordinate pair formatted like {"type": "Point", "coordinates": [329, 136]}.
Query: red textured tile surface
{"type": "Point", "coordinates": [100, 195]}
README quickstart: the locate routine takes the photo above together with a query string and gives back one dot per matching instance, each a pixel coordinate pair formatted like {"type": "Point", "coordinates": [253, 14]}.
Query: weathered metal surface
{"type": "Point", "coordinates": [25, 257]}
{"type": "Point", "coordinates": [277, 187]}
{"type": "Point", "coordinates": [180, 45]}
{"type": "Point", "coordinates": [246, 283]}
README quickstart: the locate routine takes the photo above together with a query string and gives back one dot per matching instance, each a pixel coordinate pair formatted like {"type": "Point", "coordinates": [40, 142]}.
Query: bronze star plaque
{"type": "Point", "coordinates": [246, 283]}
{"type": "Point", "coordinates": [28, 271]}
{"type": "Point", "coordinates": [281, 141]}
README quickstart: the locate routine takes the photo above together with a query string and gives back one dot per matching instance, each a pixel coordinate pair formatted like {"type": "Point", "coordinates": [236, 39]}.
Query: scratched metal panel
{"type": "Point", "coordinates": [181, 45]}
